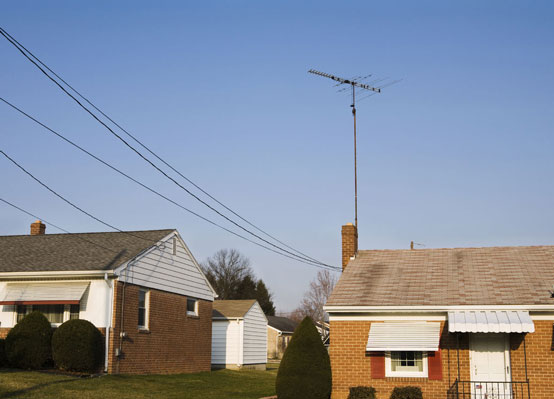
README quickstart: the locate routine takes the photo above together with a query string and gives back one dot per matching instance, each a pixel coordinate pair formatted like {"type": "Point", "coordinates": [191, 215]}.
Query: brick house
{"type": "Point", "coordinates": [461, 323]}
{"type": "Point", "coordinates": [142, 289]}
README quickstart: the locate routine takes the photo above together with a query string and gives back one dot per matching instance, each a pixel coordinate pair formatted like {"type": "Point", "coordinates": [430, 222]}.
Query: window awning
{"type": "Point", "coordinates": [490, 321]}
{"type": "Point", "coordinates": [44, 293]}
{"type": "Point", "coordinates": [403, 336]}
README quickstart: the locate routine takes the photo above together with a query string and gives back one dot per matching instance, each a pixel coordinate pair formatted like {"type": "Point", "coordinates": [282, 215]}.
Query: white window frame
{"type": "Point", "coordinates": [190, 313]}
{"type": "Point", "coordinates": [66, 314]}
{"type": "Point", "coordinates": [146, 325]}
{"type": "Point", "coordinates": [413, 374]}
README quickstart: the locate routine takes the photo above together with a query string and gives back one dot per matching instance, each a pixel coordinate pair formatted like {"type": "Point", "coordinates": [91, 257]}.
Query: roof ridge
{"type": "Point", "coordinates": [454, 248]}
{"type": "Point", "coordinates": [86, 232]}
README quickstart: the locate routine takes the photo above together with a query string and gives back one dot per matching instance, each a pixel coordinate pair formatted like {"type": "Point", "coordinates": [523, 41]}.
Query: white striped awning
{"type": "Point", "coordinates": [44, 293]}
{"type": "Point", "coordinates": [403, 336]}
{"type": "Point", "coordinates": [490, 321]}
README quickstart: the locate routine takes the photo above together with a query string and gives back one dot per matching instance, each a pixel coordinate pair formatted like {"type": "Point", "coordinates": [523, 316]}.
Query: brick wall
{"type": "Point", "coordinates": [351, 364]}
{"type": "Point", "coordinates": [174, 342]}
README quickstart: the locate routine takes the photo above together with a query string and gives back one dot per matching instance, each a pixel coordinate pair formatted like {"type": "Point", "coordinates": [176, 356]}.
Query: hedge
{"type": "Point", "coordinates": [77, 346]}
{"type": "Point", "coordinates": [362, 393]}
{"type": "Point", "coordinates": [28, 343]}
{"type": "Point", "coordinates": [406, 393]}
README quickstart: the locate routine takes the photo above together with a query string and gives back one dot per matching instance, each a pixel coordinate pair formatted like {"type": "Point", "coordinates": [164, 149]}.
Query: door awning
{"type": "Point", "coordinates": [44, 293]}
{"type": "Point", "coordinates": [403, 336]}
{"type": "Point", "coordinates": [490, 321]}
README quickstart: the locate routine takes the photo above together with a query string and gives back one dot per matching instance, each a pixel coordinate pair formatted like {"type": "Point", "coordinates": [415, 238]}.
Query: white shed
{"type": "Point", "coordinates": [239, 335]}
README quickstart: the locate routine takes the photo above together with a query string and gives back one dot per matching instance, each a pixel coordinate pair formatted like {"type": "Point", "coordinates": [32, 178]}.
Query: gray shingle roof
{"type": "Point", "coordinates": [283, 324]}
{"type": "Point", "coordinates": [447, 277]}
{"type": "Point", "coordinates": [232, 307]}
{"type": "Point", "coordinates": [74, 252]}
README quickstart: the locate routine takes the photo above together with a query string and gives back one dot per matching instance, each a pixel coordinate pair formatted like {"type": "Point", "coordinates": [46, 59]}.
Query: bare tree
{"type": "Point", "coordinates": [225, 271]}
{"type": "Point", "coordinates": [314, 299]}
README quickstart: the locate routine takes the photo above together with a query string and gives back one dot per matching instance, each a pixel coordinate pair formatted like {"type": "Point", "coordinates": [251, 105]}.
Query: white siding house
{"type": "Point", "coordinates": [239, 335]}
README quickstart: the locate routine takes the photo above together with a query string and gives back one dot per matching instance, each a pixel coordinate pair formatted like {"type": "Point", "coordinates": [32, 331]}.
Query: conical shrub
{"type": "Point", "coordinates": [305, 371]}
{"type": "Point", "coordinates": [28, 343]}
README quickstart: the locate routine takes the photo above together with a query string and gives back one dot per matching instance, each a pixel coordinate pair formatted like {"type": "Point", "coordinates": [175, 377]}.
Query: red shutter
{"type": "Point", "coordinates": [377, 364]}
{"type": "Point", "coordinates": [434, 364]}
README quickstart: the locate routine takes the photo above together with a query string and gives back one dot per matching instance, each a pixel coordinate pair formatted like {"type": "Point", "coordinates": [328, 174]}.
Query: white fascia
{"type": "Point", "coordinates": [442, 309]}
{"type": "Point", "coordinates": [65, 273]}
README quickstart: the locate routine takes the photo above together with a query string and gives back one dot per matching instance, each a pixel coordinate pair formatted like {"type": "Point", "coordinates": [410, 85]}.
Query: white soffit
{"type": "Point", "coordinates": [490, 321]}
{"type": "Point", "coordinates": [403, 336]}
{"type": "Point", "coordinates": [44, 293]}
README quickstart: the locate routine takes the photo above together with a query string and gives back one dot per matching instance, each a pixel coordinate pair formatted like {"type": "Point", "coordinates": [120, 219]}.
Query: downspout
{"type": "Point", "coordinates": [108, 322]}
{"type": "Point", "coordinates": [241, 343]}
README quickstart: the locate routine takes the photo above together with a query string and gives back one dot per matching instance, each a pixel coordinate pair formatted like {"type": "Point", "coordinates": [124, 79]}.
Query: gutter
{"type": "Point", "coordinates": [72, 273]}
{"type": "Point", "coordinates": [427, 308]}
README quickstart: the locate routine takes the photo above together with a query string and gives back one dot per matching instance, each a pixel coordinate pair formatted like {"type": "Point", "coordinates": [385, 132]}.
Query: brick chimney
{"type": "Point", "coordinates": [349, 243]}
{"type": "Point", "coordinates": [38, 228]}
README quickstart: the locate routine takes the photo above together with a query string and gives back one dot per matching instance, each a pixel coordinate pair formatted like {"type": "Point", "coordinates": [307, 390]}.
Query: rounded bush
{"type": "Point", "coordinates": [362, 393]}
{"type": "Point", "coordinates": [3, 360]}
{"type": "Point", "coordinates": [77, 346]}
{"type": "Point", "coordinates": [406, 393]}
{"type": "Point", "coordinates": [305, 370]}
{"type": "Point", "coordinates": [28, 343]}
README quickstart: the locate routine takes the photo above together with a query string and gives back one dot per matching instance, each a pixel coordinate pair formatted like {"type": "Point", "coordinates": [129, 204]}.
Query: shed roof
{"type": "Point", "coordinates": [232, 308]}
{"type": "Point", "coordinates": [448, 277]}
{"type": "Point", "coordinates": [75, 251]}
{"type": "Point", "coordinates": [283, 324]}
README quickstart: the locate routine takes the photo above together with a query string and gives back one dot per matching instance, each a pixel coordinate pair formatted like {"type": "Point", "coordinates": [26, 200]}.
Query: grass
{"type": "Point", "coordinates": [222, 384]}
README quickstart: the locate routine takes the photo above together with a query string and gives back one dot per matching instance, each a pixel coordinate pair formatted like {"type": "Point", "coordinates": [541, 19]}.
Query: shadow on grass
{"type": "Point", "coordinates": [16, 393]}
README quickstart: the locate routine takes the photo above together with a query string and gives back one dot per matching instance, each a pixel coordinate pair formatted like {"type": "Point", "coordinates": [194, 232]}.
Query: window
{"type": "Point", "coordinates": [406, 364]}
{"type": "Point", "coordinates": [56, 314]}
{"type": "Point", "coordinates": [143, 309]}
{"type": "Point", "coordinates": [192, 307]}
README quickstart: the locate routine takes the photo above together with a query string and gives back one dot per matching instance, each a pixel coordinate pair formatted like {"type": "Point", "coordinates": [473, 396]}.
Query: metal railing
{"type": "Point", "coordinates": [489, 390]}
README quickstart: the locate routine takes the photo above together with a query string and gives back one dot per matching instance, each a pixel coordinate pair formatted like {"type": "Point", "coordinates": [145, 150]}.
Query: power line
{"type": "Point", "coordinates": [55, 226]}
{"type": "Point", "coordinates": [144, 186]}
{"type": "Point", "coordinates": [24, 51]}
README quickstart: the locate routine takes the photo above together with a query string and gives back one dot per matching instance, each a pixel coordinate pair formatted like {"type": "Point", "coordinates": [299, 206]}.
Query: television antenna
{"type": "Point", "coordinates": [352, 83]}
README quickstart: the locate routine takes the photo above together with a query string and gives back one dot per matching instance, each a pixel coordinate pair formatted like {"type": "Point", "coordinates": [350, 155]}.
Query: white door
{"type": "Point", "coordinates": [490, 366]}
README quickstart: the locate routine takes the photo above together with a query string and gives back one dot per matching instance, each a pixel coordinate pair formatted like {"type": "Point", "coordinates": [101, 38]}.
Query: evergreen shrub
{"type": "Point", "coordinates": [77, 346]}
{"type": "Point", "coordinates": [27, 345]}
{"type": "Point", "coordinates": [305, 370]}
{"type": "Point", "coordinates": [406, 393]}
{"type": "Point", "coordinates": [362, 393]}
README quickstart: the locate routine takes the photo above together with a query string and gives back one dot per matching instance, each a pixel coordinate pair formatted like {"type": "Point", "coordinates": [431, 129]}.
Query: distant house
{"type": "Point", "coordinates": [143, 290]}
{"type": "Point", "coordinates": [460, 323]}
{"type": "Point", "coordinates": [279, 333]}
{"type": "Point", "coordinates": [239, 335]}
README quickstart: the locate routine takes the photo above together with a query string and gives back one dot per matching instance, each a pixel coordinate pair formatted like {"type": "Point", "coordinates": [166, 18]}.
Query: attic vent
{"type": "Point", "coordinates": [174, 245]}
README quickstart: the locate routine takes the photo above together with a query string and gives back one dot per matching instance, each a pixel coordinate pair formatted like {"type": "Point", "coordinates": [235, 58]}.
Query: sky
{"type": "Point", "coordinates": [457, 154]}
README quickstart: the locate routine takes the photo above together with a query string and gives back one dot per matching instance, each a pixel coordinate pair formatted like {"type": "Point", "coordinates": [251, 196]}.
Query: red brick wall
{"type": "Point", "coordinates": [174, 343]}
{"type": "Point", "coordinates": [351, 365]}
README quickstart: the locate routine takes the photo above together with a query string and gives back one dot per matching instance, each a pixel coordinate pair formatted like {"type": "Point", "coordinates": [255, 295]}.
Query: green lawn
{"type": "Point", "coordinates": [222, 384]}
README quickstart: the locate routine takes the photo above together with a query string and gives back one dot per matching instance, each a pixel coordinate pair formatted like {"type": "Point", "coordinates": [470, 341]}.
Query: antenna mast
{"type": "Point", "coordinates": [353, 83]}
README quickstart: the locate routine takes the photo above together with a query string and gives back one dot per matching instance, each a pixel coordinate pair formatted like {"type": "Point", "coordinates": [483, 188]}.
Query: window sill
{"type": "Point", "coordinates": [192, 316]}
{"type": "Point", "coordinates": [143, 331]}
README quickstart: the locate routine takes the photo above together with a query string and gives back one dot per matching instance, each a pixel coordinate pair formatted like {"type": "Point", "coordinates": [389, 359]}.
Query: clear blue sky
{"type": "Point", "coordinates": [460, 153]}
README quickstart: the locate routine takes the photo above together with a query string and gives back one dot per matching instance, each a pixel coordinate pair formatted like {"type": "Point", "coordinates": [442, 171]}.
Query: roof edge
{"type": "Point", "coordinates": [365, 309]}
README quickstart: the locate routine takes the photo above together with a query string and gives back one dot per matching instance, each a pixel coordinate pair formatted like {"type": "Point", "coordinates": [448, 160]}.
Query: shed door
{"type": "Point", "coordinates": [490, 366]}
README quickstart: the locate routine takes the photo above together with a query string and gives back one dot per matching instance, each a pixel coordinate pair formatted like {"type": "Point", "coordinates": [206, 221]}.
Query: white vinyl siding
{"type": "Point", "coordinates": [161, 269]}
{"type": "Point", "coordinates": [255, 336]}
{"type": "Point", "coordinates": [226, 342]}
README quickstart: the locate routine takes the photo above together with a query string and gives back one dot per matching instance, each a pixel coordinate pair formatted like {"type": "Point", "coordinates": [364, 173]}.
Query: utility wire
{"type": "Point", "coordinates": [57, 227]}
{"type": "Point", "coordinates": [149, 188]}
{"type": "Point", "coordinates": [20, 47]}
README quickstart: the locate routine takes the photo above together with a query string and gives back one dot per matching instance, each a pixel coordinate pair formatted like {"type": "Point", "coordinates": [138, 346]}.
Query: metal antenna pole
{"type": "Point", "coordinates": [355, 159]}
{"type": "Point", "coordinates": [353, 83]}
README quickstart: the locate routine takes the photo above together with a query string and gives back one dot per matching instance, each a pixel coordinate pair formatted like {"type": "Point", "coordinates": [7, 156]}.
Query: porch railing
{"type": "Point", "coordinates": [489, 390]}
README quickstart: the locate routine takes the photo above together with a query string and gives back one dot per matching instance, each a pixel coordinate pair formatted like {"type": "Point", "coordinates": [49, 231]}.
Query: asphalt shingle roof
{"type": "Point", "coordinates": [283, 324]}
{"type": "Point", "coordinates": [74, 252]}
{"type": "Point", "coordinates": [232, 308]}
{"type": "Point", "coordinates": [448, 277]}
